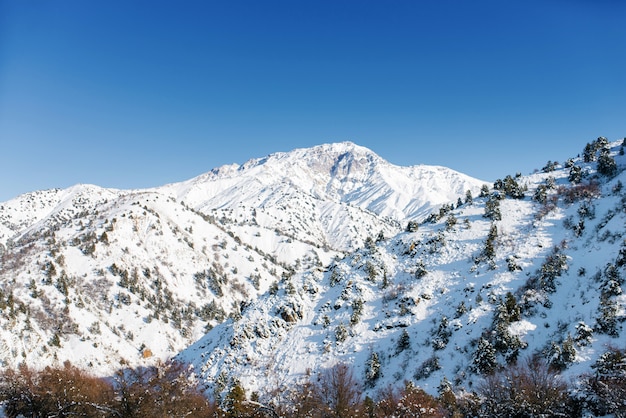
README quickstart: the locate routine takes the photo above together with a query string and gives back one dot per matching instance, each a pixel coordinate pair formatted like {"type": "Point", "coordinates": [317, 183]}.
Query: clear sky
{"type": "Point", "coordinates": [139, 93]}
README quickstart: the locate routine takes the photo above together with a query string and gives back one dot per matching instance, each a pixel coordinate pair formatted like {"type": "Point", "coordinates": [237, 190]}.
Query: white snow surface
{"type": "Point", "coordinates": [271, 271]}
{"type": "Point", "coordinates": [102, 276]}
{"type": "Point", "coordinates": [286, 337]}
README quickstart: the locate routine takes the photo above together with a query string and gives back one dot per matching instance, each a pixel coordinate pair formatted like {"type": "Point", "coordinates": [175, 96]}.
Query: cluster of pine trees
{"type": "Point", "coordinates": [528, 388]}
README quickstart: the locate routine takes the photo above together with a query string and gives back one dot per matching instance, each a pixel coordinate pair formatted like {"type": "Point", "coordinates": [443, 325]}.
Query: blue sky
{"type": "Point", "coordinates": [133, 93]}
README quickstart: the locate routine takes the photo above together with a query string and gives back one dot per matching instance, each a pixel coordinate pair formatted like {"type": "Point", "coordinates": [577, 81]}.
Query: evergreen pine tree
{"type": "Point", "coordinates": [512, 188]}
{"type": "Point", "coordinates": [404, 341]}
{"type": "Point", "coordinates": [492, 208]}
{"type": "Point", "coordinates": [446, 394]}
{"type": "Point", "coordinates": [583, 334]}
{"type": "Point", "coordinates": [372, 374]}
{"type": "Point", "coordinates": [575, 174]}
{"type": "Point", "coordinates": [541, 194]}
{"type": "Point", "coordinates": [512, 308]}
{"type": "Point", "coordinates": [606, 163]}
{"type": "Point", "coordinates": [489, 252]}
{"type": "Point", "coordinates": [450, 222]}
{"type": "Point", "coordinates": [485, 357]}
{"type": "Point", "coordinates": [589, 153]}
{"type": "Point", "coordinates": [234, 402]}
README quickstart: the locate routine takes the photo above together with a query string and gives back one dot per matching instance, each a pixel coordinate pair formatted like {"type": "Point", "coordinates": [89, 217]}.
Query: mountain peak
{"type": "Point", "coordinates": [337, 172]}
{"type": "Point", "coordinates": [320, 157]}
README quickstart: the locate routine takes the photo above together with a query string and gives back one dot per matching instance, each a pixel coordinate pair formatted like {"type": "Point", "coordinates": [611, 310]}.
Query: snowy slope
{"type": "Point", "coordinates": [316, 194]}
{"type": "Point", "coordinates": [103, 276]}
{"type": "Point", "coordinates": [426, 303]}
{"type": "Point", "coordinates": [139, 276]}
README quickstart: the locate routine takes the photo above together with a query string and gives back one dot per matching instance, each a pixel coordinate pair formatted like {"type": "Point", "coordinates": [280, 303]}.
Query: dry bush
{"type": "Point", "coordinates": [410, 401]}
{"type": "Point", "coordinates": [18, 392]}
{"type": "Point", "coordinates": [160, 391]}
{"type": "Point", "coordinates": [333, 394]}
{"type": "Point", "coordinates": [163, 390]}
{"type": "Point", "coordinates": [531, 389]}
{"type": "Point", "coordinates": [579, 192]}
{"type": "Point", "coordinates": [55, 392]}
{"type": "Point", "coordinates": [340, 392]}
{"type": "Point", "coordinates": [302, 402]}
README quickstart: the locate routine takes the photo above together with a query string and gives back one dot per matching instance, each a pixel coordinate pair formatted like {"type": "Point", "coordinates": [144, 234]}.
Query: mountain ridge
{"type": "Point", "coordinates": [107, 273]}
{"type": "Point", "coordinates": [258, 276]}
{"type": "Point", "coordinates": [427, 301]}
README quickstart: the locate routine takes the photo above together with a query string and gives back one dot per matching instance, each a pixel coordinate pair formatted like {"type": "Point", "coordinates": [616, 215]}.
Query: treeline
{"type": "Point", "coordinates": [163, 390]}
{"type": "Point", "coordinates": [527, 389]}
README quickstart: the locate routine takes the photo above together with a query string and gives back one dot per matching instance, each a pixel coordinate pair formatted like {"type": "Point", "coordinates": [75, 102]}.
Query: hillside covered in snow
{"type": "Point", "coordinates": [531, 266]}
{"type": "Point", "coordinates": [101, 276]}
{"type": "Point", "coordinates": [265, 276]}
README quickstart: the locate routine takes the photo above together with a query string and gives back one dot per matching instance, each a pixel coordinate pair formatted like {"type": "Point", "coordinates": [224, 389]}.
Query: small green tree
{"type": "Point", "coordinates": [562, 355]}
{"type": "Point", "coordinates": [234, 404]}
{"type": "Point", "coordinates": [606, 320]}
{"type": "Point", "coordinates": [584, 333]}
{"type": "Point", "coordinates": [484, 360]}
{"type": "Point", "coordinates": [606, 164]}
{"type": "Point", "coordinates": [541, 194]}
{"type": "Point", "coordinates": [341, 333]}
{"type": "Point", "coordinates": [372, 373]}
{"type": "Point", "coordinates": [512, 308]}
{"type": "Point", "coordinates": [412, 226]}
{"type": "Point", "coordinates": [404, 342]}
{"type": "Point", "coordinates": [489, 251]}
{"type": "Point", "coordinates": [512, 188]}
{"type": "Point", "coordinates": [357, 311]}
{"type": "Point", "coordinates": [450, 222]}
{"type": "Point", "coordinates": [420, 269]}
{"type": "Point", "coordinates": [605, 389]}
{"type": "Point", "coordinates": [550, 166]}
{"type": "Point", "coordinates": [492, 208]}
{"type": "Point", "coordinates": [589, 153]}
{"type": "Point", "coordinates": [575, 174]}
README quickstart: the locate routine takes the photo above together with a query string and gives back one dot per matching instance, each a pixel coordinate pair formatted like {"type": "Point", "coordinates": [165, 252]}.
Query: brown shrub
{"type": "Point", "coordinates": [410, 401]}
{"type": "Point", "coordinates": [163, 390]}
{"type": "Point", "coordinates": [527, 390]}
{"type": "Point", "coordinates": [579, 192]}
{"type": "Point", "coordinates": [58, 392]}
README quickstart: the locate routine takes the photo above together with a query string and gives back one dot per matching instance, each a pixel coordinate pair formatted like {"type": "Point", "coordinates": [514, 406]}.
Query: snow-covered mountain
{"type": "Point", "coordinates": [534, 265]}
{"type": "Point", "coordinates": [271, 272]}
{"type": "Point", "coordinates": [103, 276]}
{"type": "Point", "coordinates": [331, 196]}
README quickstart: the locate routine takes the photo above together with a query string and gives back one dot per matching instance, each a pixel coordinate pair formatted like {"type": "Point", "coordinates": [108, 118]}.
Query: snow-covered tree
{"type": "Point", "coordinates": [606, 163]}
{"type": "Point", "coordinates": [492, 208]}
{"type": "Point", "coordinates": [404, 342]}
{"type": "Point", "coordinates": [372, 372]}
{"type": "Point", "coordinates": [528, 389]}
{"type": "Point", "coordinates": [605, 390]}
{"type": "Point", "coordinates": [484, 360]}
{"type": "Point", "coordinates": [575, 174]}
